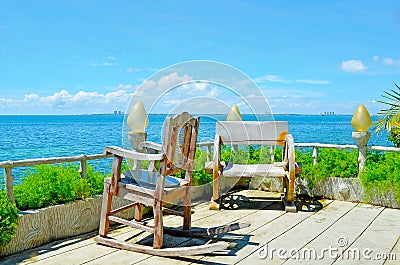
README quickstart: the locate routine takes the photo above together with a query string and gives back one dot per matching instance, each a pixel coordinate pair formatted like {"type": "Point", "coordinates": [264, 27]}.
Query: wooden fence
{"type": "Point", "coordinates": [9, 165]}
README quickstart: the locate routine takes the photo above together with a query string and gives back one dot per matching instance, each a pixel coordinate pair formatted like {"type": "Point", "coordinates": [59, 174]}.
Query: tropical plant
{"type": "Point", "coordinates": [46, 185]}
{"type": "Point", "coordinates": [390, 120]}
{"type": "Point", "coordinates": [8, 219]}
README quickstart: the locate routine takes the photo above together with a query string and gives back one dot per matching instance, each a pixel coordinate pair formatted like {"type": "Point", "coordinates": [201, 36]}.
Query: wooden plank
{"type": "Point", "coordinates": [339, 236]}
{"type": "Point", "coordinates": [132, 224]}
{"type": "Point", "coordinates": [300, 234]}
{"type": "Point", "coordinates": [395, 255]}
{"type": "Point", "coordinates": [259, 170]}
{"type": "Point", "coordinates": [165, 252]}
{"type": "Point", "coordinates": [70, 251]}
{"type": "Point", "coordinates": [246, 236]}
{"type": "Point", "coordinates": [265, 225]}
{"type": "Point", "coordinates": [234, 131]}
{"type": "Point", "coordinates": [51, 160]}
{"type": "Point", "coordinates": [250, 242]}
{"type": "Point", "coordinates": [115, 150]}
{"type": "Point", "coordinates": [255, 217]}
{"type": "Point", "coordinates": [380, 238]}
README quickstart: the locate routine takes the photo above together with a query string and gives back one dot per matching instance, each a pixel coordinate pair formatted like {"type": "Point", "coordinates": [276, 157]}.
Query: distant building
{"type": "Point", "coordinates": [328, 113]}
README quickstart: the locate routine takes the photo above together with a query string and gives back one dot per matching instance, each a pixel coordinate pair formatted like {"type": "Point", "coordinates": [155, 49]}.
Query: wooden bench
{"type": "Point", "coordinates": [254, 133]}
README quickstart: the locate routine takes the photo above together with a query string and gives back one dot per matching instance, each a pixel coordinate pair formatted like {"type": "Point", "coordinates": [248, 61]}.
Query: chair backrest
{"type": "Point", "coordinates": [179, 143]}
{"type": "Point", "coordinates": [252, 132]}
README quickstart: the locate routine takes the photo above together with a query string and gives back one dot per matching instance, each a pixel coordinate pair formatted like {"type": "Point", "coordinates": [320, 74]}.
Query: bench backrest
{"type": "Point", "coordinates": [252, 132]}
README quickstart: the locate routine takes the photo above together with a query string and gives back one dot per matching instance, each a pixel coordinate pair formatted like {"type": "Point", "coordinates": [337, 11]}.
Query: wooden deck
{"type": "Point", "coordinates": [325, 232]}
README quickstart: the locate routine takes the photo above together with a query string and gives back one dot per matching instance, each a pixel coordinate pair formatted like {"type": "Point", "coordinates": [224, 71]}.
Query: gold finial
{"type": "Point", "coordinates": [137, 118]}
{"type": "Point", "coordinates": [234, 114]}
{"type": "Point", "coordinates": [361, 120]}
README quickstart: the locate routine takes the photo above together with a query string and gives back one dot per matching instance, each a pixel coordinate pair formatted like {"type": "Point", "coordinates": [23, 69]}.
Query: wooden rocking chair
{"type": "Point", "coordinates": [254, 133]}
{"type": "Point", "coordinates": [156, 188]}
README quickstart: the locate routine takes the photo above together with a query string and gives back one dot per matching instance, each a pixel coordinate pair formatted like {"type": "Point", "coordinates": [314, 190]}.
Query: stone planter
{"type": "Point", "coordinates": [345, 189]}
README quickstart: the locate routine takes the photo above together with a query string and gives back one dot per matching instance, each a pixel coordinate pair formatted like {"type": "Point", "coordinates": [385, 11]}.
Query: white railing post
{"type": "Point", "coordinates": [209, 152]}
{"type": "Point", "coordinates": [361, 139]}
{"type": "Point", "coordinates": [272, 153]}
{"type": "Point", "coordinates": [83, 166]}
{"type": "Point", "coordinates": [315, 155]}
{"type": "Point", "coordinates": [9, 180]}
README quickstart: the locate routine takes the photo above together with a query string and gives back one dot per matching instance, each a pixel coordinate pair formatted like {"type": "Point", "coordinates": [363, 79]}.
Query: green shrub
{"type": "Point", "coordinates": [331, 163]}
{"type": "Point", "coordinates": [382, 174]}
{"type": "Point", "coordinates": [248, 154]}
{"type": "Point", "coordinates": [46, 185]}
{"type": "Point", "coordinates": [8, 219]}
{"type": "Point", "coordinates": [337, 163]}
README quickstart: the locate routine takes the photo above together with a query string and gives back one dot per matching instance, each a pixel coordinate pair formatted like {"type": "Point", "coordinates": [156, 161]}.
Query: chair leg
{"type": "Point", "coordinates": [138, 212]}
{"type": "Point", "coordinates": [105, 211]}
{"type": "Point", "coordinates": [187, 216]}
{"type": "Point", "coordinates": [158, 224]}
{"type": "Point", "coordinates": [217, 193]}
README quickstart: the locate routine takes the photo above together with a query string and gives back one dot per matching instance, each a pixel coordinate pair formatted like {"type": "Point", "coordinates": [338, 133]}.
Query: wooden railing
{"type": "Point", "coordinates": [315, 147]}
{"type": "Point", "coordinates": [9, 165]}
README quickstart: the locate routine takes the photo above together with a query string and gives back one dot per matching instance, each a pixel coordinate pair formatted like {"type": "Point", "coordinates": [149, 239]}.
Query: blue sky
{"type": "Point", "coordinates": [74, 57]}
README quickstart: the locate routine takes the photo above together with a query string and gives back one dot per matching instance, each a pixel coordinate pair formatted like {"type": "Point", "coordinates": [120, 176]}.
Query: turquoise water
{"type": "Point", "coordinates": [24, 137]}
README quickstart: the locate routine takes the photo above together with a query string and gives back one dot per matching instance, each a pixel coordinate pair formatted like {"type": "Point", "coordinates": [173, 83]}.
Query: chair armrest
{"type": "Point", "coordinates": [150, 145]}
{"type": "Point", "coordinates": [115, 150]}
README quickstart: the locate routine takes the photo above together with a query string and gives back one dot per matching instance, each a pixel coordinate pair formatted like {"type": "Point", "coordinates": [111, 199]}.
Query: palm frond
{"type": "Point", "coordinates": [390, 116]}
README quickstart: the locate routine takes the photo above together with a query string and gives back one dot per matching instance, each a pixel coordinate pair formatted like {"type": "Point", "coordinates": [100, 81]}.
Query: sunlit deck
{"type": "Point", "coordinates": [325, 232]}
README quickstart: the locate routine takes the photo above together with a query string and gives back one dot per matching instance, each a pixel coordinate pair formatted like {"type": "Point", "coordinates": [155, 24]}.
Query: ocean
{"type": "Point", "coordinates": [24, 137]}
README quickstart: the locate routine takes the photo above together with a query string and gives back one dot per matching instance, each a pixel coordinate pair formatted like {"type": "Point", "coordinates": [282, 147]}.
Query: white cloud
{"type": "Point", "coordinates": [375, 58]}
{"type": "Point", "coordinates": [271, 78]}
{"type": "Point", "coordinates": [253, 96]}
{"type": "Point", "coordinates": [125, 87]}
{"type": "Point", "coordinates": [103, 64]}
{"type": "Point", "coordinates": [390, 61]}
{"type": "Point", "coordinates": [353, 66]}
{"type": "Point", "coordinates": [31, 97]}
{"type": "Point", "coordinates": [109, 61]}
{"type": "Point", "coordinates": [132, 70]}
{"type": "Point", "coordinates": [313, 82]}
{"type": "Point", "coordinates": [172, 102]}
{"type": "Point", "coordinates": [277, 79]}
{"type": "Point", "coordinates": [63, 102]}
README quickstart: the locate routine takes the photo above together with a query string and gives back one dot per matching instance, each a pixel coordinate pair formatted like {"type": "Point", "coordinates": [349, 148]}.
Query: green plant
{"type": "Point", "coordinates": [46, 185]}
{"type": "Point", "coordinates": [331, 163]}
{"type": "Point", "coordinates": [390, 120]}
{"type": "Point", "coordinates": [382, 174]}
{"type": "Point", "coordinates": [8, 219]}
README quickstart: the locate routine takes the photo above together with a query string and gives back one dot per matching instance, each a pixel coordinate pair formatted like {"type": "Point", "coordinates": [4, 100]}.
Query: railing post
{"type": "Point", "coordinates": [83, 167]}
{"type": "Point", "coordinates": [272, 153]}
{"type": "Point", "coordinates": [361, 139]}
{"type": "Point", "coordinates": [209, 152]}
{"type": "Point", "coordinates": [315, 155]}
{"type": "Point", "coordinates": [9, 179]}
